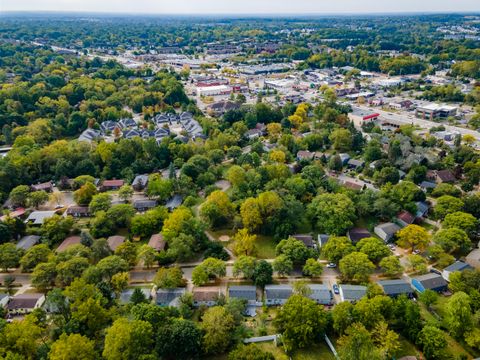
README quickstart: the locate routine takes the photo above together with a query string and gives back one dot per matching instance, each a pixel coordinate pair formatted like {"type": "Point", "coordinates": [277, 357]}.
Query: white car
{"type": "Point", "coordinates": [331, 265]}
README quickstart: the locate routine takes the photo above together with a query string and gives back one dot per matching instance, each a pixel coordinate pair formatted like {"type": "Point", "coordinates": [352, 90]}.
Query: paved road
{"type": "Point", "coordinates": [410, 119]}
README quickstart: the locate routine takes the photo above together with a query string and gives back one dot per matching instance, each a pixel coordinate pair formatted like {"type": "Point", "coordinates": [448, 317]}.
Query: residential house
{"type": "Point", "coordinates": [444, 176]}
{"type": "Point", "coordinates": [126, 295]}
{"type": "Point", "coordinates": [157, 242]}
{"type": "Point", "coordinates": [140, 182]}
{"type": "Point", "coordinates": [394, 288]}
{"type": "Point", "coordinates": [28, 241]}
{"type": "Point", "coordinates": [404, 218]}
{"type": "Point", "coordinates": [352, 293]}
{"type": "Point", "coordinates": [355, 164]}
{"type": "Point", "coordinates": [344, 157]}
{"type": "Point", "coordinates": [4, 298]}
{"type": "Point", "coordinates": [38, 217]}
{"type": "Point", "coordinates": [430, 281]}
{"type": "Point", "coordinates": [304, 155]}
{"type": "Point", "coordinates": [221, 107]}
{"type": "Point", "coordinates": [90, 135]}
{"type": "Point", "coordinates": [357, 234]}
{"type": "Point", "coordinates": [206, 296]}
{"type": "Point", "coordinates": [115, 241]}
{"type": "Point", "coordinates": [321, 294]}
{"type": "Point", "coordinates": [78, 211]}
{"type": "Point", "coordinates": [127, 123]}
{"type": "Point", "coordinates": [422, 209]}
{"type": "Point", "coordinates": [169, 297]}
{"type": "Point", "coordinates": [427, 185]}
{"type": "Point", "coordinates": [108, 185]}
{"type": "Point", "coordinates": [174, 202]}
{"type": "Point", "coordinates": [456, 266]}
{"type": "Point", "coordinates": [253, 134]}
{"type": "Point", "coordinates": [108, 126]}
{"type": "Point", "coordinates": [386, 231]}
{"type": "Point", "coordinates": [144, 205]}
{"type": "Point", "coordinates": [13, 214]}
{"type": "Point", "coordinates": [322, 239]}
{"type": "Point", "coordinates": [24, 303]}
{"type": "Point", "coordinates": [307, 239]}
{"type": "Point", "coordinates": [69, 241]}
{"type": "Point", "coordinates": [46, 186]}
{"type": "Point", "coordinates": [473, 258]}
{"type": "Point", "coordinates": [244, 292]}
{"type": "Point", "coordinates": [277, 294]}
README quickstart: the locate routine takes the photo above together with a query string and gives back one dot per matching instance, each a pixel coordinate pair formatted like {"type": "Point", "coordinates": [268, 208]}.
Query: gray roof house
{"type": "Point", "coordinates": [89, 135]}
{"type": "Point", "coordinates": [126, 294]}
{"type": "Point", "coordinates": [140, 182]}
{"type": "Point", "coordinates": [397, 287]}
{"type": "Point", "coordinates": [430, 281]}
{"type": "Point", "coordinates": [352, 293]}
{"type": "Point", "coordinates": [174, 202]}
{"type": "Point", "coordinates": [207, 296]}
{"type": "Point", "coordinates": [145, 204]}
{"type": "Point", "coordinates": [169, 297]}
{"type": "Point", "coordinates": [321, 294]}
{"type": "Point", "coordinates": [277, 294]}
{"type": "Point", "coordinates": [386, 231]}
{"type": "Point", "coordinates": [38, 217]}
{"type": "Point", "coordinates": [456, 266]}
{"type": "Point", "coordinates": [27, 242]}
{"type": "Point", "coordinates": [247, 292]}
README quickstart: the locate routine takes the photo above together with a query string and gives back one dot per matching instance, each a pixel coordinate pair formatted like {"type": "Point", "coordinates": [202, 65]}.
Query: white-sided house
{"type": "Point", "coordinates": [456, 266]}
{"type": "Point", "coordinates": [321, 294]}
{"type": "Point", "coordinates": [25, 303]}
{"type": "Point", "coordinates": [244, 292]}
{"type": "Point", "coordinates": [277, 294]}
{"type": "Point", "coordinates": [206, 296]}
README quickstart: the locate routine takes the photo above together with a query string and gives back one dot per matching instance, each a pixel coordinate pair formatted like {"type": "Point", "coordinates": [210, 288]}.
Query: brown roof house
{"type": "Point", "coordinates": [111, 185]}
{"type": "Point", "coordinates": [444, 176]}
{"type": "Point", "coordinates": [69, 241]}
{"type": "Point", "coordinates": [307, 239]}
{"type": "Point", "coordinates": [115, 241]}
{"type": "Point", "coordinates": [207, 296]}
{"type": "Point", "coordinates": [78, 211]}
{"type": "Point", "coordinates": [404, 218]}
{"type": "Point", "coordinates": [357, 234]}
{"type": "Point", "coordinates": [157, 242]}
{"type": "Point", "coordinates": [47, 186]}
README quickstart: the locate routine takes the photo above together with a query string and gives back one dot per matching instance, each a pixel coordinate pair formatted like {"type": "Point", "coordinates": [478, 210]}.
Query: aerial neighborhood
{"type": "Point", "coordinates": [241, 189]}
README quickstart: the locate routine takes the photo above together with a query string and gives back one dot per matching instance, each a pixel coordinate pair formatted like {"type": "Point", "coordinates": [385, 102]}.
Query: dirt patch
{"type": "Point", "coordinates": [224, 238]}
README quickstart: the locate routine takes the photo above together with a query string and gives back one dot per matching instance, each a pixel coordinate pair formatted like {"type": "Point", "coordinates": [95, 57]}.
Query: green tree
{"type": "Point", "coordinates": [465, 221]}
{"type": "Point", "coordinates": [244, 243]}
{"type": "Point", "coordinates": [180, 339]}
{"type": "Point", "coordinates": [357, 344]}
{"type": "Point", "coordinates": [84, 195]}
{"type": "Point", "coordinates": [56, 228]}
{"type": "Point", "coordinates": [102, 225]}
{"type": "Point", "coordinates": [128, 252]}
{"type": "Point", "coordinates": [332, 213]}
{"type": "Point", "coordinates": [301, 321]}
{"type": "Point", "coordinates": [217, 325]}
{"type": "Point", "coordinates": [282, 265]}
{"type": "Point", "coordinates": [452, 240]}
{"type": "Point", "coordinates": [68, 270]}
{"type": "Point", "coordinates": [312, 268]}
{"type": "Point", "coordinates": [125, 192]}
{"type": "Point", "coordinates": [138, 297]}
{"type": "Point", "coordinates": [100, 202]}
{"type": "Point", "coordinates": [120, 282]}
{"type": "Point", "coordinates": [43, 276]}
{"type": "Point", "coordinates": [74, 347]}
{"type": "Point", "coordinates": [22, 338]}
{"type": "Point", "coordinates": [147, 255]}
{"type": "Point", "coordinates": [341, 139]}
{"type": "Point", "coordinates": [295, 250]}
{"type": "Point", "coordinates": [337, 247]}
{"type": "Point", "coordinates": [9, 256]}
{"type": "Point", "coordinates": [374, 248]}
{"type": "Point", "coordinates": [159, 188]}
{"type": "Point", "coordinates": [128, 339]}
{"type": "Point", "coordinates": [244, 265]}
{"type": "Point", "coordinates": [38, 198]}
{"type": "Point", "coordinates": [428, 297]}
{"type": "Point", "coordinates": [343, 316]}
{"type": "Point", "coordinates": [417, 263]}
{"type": "Point", "coordinates": [263, 273]}
{"type": "Point", "coordinates": [433, 342]}
{"type": "Point", "coordinates": [19, 195]}
{"type": "Point", "coordinates": [458, 314]}
{"type": "Point", "coordinates": [209, 269]}
{"type": "Point", "coordinates": [217, 209]}
{"type": "Point", "coordinates": [356, 266]}
{"type": "Point", "coordinates": [414, 237]}
{"type": "Point", "coordinates": [447, 204]}
{"type": "Point", "coordinates": [169, 278]}
{"type": "Point", "coordinates": [391, 266]}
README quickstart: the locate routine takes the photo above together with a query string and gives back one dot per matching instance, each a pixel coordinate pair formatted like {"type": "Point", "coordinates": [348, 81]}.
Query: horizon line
{"type": "Point", "coordinates": [232, 14]}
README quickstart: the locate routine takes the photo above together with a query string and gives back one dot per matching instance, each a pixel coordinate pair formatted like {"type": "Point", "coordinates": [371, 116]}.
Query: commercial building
{"type": "Point", "coordinates": [432, 111]}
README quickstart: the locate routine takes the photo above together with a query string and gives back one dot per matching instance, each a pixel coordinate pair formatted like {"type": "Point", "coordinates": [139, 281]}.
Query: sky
{"type": "Point", "coordinates": [242, 6]}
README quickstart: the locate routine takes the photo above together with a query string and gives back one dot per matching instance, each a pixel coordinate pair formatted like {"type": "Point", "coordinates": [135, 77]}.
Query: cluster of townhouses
{"type": "Point", "coordinates": [182, 125]}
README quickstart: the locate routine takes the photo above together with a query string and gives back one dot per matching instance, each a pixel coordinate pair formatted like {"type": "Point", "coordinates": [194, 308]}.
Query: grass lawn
{"type": "Point", "coordinates": [266, 247]}
{"type": "Point", "coordinates": [407, 349]}
{"type": "Point", "coordinates": [314, 352]}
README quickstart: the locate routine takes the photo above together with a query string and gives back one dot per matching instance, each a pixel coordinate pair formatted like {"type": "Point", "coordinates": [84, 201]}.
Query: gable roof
{"type": "Point", "coordinates": [445, 175]}
{"type": "Point", "coordinates": [115, 241]}
{"type": "Point", "coordinates": [27, 242]}
{"type": "Point", "coordinates": [169, 297]}
{"type": "Point", "coordinates": [210, 293]}
{"type": "Point", "coordinates": [353, 292]}
{"type": "Point", "coordinates": [38, 217]}
{"type": "Point", "coordinates": [431, 281]}
{"type": "Point", "coordinates": [69, 241]}
{"type": "Point", "coordinates": [278, 291]}
{"type": "Point", "coordinates": [320, 292]}
{"type": "Point", "coordinates": [247, 292]}
{"type": "Point", "coordinates": [395, 287]}
{"type": "Point", "coordinates": [406, 217]}
{"type": "Point", "coordinates": [24, 301]}
{"type": "Point", "coordinates": [458, 266]}
{"type": "Point", "coordinates": [157, 242]}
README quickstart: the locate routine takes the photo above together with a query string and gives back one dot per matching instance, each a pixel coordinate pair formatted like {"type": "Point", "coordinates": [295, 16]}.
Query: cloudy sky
{"type": "Point", "coordinates": [242, 6]}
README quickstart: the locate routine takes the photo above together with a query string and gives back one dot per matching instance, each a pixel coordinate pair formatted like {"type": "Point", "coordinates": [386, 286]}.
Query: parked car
{"type": "Point", "coordinates": [416, 252]}
{"type": "Point", "coordinates": [435, 271]}
{"type": "Point", "coordinates": [336, 289]}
